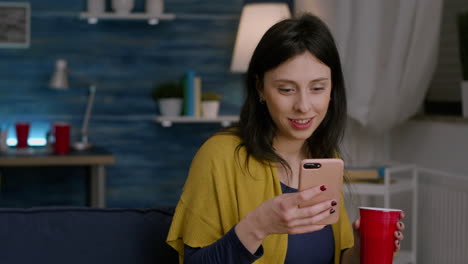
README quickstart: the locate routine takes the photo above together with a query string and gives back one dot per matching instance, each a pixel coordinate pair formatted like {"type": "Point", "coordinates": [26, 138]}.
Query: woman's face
{"type": "Point", "coordinates": [297, 94]}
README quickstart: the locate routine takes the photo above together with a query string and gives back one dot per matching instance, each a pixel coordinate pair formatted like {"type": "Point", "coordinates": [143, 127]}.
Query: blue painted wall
{"type": "Point", "coordinates": [126, 58]}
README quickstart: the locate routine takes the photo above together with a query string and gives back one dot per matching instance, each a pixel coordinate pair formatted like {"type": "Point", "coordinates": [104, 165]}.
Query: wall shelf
{"type": "Point", "coordinates": [225, 121]}
{"type": "Point", "coordinates": [153, 19]}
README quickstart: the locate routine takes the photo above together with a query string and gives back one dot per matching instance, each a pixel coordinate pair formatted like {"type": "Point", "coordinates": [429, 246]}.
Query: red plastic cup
{"type": "Point", "coordinates": [377, 229]}
{"type": "Point", "coordinates": [62, 137]}
{"type": "Point", "coordinates": [22, 134]}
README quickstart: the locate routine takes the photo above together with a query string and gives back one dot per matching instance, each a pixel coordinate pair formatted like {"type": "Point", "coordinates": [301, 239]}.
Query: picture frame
{"type": "Point", "coordinates": [15, 24]}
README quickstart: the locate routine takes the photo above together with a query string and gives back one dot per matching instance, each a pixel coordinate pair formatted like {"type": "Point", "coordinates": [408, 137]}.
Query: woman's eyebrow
{"type": "Point", "coordinates": [319, 80]}
{"type": "Point", "coordinates": [312, 81]}
{"type": "Point", "coordinates": [284, 80]}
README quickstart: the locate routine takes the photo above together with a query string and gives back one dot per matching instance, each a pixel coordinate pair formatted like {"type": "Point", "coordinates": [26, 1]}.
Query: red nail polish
{"type": "Point", "coordinates": [323, 188]}
{"type": "Point", "coordinates": [332, 211]}
{"type": "Point", "coordinates": [333, 203]}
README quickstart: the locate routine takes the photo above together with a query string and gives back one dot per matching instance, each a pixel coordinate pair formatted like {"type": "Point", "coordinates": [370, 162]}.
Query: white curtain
{"type": "Point", "coordinates": [389, 53]}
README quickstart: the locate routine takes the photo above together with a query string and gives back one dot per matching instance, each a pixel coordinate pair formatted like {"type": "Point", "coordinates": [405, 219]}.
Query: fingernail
{"type": "Point", "coordinates": [323, 188]}
{"type": "Point", "coordinates": [400, 224]}
{"type": "Point", "coordinates": [333, 203]}
{"type": "Point", "coordinates": [398, 242]}
{"type": "Point", "coordinates": [399, 233]}
{"type": "Point", "coordinates": [332, 211]}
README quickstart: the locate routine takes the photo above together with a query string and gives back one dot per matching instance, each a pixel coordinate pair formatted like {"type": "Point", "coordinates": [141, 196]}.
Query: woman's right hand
{"type": "Point", "coordinates": [282, 215]}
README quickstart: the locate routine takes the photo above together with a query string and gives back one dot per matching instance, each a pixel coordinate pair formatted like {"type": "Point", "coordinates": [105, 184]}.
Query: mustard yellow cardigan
{"type": "Point", "coordinates": [219, 192]}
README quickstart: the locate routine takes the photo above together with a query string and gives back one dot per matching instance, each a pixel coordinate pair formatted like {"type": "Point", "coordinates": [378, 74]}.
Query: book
{"type": "Point", "coordinates": [188, 83]}
{"type": "Point", "coordinates": [365, 173]}
{"type": "Point", "coordinates": [197, 95]}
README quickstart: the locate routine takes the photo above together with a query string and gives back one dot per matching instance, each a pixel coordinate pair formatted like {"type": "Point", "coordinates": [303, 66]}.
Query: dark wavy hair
{"type": "Point", "coordinates": [284, 40]}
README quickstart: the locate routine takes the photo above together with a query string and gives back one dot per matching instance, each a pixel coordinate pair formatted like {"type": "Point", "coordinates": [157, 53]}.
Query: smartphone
{"type": "Point", "coordinates": [328, 172]}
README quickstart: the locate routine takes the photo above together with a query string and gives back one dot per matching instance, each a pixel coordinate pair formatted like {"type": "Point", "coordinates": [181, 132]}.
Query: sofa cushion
{"type": "Point", "coordinates": [85, 235]}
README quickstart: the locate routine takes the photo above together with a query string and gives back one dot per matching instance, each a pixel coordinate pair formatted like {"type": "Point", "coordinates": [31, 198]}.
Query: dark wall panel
{"type": "Point", "coordinates": [125, 58]}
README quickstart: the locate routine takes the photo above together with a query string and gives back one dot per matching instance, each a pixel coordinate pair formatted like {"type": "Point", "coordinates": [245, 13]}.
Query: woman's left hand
{"type": "Point", "coordinates": [400, 226]}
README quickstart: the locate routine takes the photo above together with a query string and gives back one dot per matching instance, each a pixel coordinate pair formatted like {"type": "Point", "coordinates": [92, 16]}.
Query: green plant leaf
{"type": "Point", "coordinates": [210, 96]}
{"type": "Point", "coordinates": [170, 89]}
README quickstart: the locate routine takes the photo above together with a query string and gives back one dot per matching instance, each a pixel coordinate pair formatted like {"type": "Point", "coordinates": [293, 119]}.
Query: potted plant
{"type": "Point", "coordinates": [462, 21]}
{"type": "Point", "coordinates": [169, 96]}
{"type": "Point", "coordinates": [210, 104]}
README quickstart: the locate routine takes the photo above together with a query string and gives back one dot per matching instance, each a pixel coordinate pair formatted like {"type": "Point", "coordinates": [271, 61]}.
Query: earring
{"type": "Point", "coordinates": [261, 100]}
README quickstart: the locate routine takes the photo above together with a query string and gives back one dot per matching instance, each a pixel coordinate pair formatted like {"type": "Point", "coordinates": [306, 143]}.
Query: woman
{"type": "Point", "coordinates": [240, 200]}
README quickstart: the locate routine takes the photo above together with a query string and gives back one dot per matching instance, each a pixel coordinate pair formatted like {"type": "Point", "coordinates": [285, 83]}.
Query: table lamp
{"type": "Point", "coordinates": [59, 81]}
{"type": "Point", "coordinates": [256, 19]}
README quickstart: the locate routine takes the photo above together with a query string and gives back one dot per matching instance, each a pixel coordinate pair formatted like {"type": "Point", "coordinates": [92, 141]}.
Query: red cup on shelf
{"type": "Point", "coordinates": [22, 134]}
{"type": "Point", "coordinates": [377, 229]}
{"type": "Point", "coordinates": [62, 137]}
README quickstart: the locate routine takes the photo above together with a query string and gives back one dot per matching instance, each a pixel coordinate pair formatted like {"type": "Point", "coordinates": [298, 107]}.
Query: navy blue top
{"type": "Point", "coordinates": [316, 247]}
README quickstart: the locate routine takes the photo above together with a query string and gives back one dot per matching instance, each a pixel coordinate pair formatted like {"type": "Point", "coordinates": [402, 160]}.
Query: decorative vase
{"type": "Point", "coordinates": [170, 106]}
{"type": "Point", "coordinates": [464, 97]}
{"type": "Point", "coordinates": [123, 7]}
{"type": "Point", "coordinates": [154, 7]}
{"type": "Point", "coordinates": [210, 109]}
{"type": "Point", "coordinates": [96, 6]}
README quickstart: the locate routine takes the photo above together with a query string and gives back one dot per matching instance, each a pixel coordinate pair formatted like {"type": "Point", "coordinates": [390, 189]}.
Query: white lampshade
{"type": "Point", "coordinates": [256, 19]}
{"type": "Point", "coordinates": [59, 78]}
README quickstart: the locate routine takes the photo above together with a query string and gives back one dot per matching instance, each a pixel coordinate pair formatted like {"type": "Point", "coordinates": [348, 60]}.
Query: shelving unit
{"type": "Point", "coordinates": [389, 188]}
{"type": "Point", "coordinates": [153, 19]}
{"type": "Point", "coordinates": [380, 189]}
{"type": "Point", "coordinates": [225, 121]}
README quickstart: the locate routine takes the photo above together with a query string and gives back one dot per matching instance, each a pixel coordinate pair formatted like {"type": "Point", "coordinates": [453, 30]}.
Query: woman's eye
{"type": "Point", "coordinates": [318, 88]}
{"type": "Point", "coordinates": [286, 90]}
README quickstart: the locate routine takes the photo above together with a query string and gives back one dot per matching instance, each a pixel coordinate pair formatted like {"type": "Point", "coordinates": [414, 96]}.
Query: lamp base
{"type": "Point", "coordinates": [81, 146]}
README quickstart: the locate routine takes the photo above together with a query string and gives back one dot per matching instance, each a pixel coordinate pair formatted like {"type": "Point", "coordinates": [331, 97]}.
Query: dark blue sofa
{"type": "Point", "coordinates": [69, 235]}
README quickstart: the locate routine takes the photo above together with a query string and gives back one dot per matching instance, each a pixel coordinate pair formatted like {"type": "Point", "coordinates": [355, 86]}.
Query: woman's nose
{"type": "Point", "coordinates": [302, 103]}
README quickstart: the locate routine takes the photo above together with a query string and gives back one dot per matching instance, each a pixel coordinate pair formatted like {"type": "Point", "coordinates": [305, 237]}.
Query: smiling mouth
{"type": "Point", "coordinates": [301, 121]}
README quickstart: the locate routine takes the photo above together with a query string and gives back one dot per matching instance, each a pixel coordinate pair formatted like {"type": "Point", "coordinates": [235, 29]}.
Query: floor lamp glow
{"type": "Point", "coordinates": [59, 81]}
{"type": "Point", "coordinates": [256, 19]}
